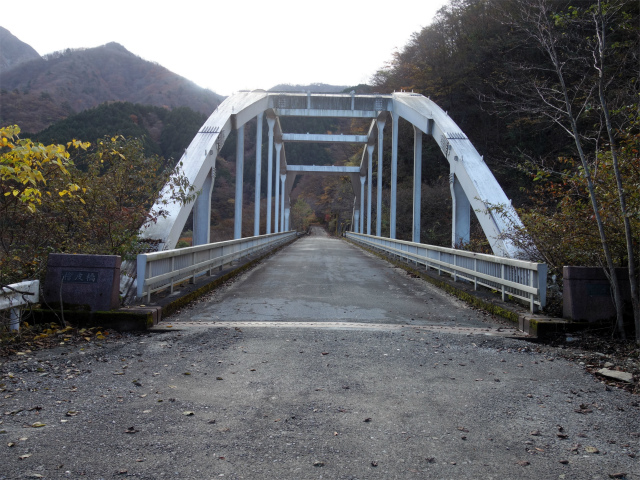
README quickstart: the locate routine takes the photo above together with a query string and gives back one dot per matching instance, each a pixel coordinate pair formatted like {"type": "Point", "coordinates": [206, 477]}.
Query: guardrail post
{"type": "Point", "coordinates": [502, 277]}
{"type": "Point", "coordinates": [14, 319]}
{"type": "Point", "coordinates": [532, 305]}
{"type": "Point", "coordinates": [193, 262]}
{"type": "Point", "coordinates": [172, 269]}
{"type": "Point", "coordinates": [541, 280]}
{"type": "Point", "coordinates": [455, 271]}
{"type": "Point", "coordinates": [475, 277]}
{"type": "Point", "coordinates": [142, 273]}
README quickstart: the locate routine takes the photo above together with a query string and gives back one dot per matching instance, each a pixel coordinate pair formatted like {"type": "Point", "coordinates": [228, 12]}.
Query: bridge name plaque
{"type": "Point", "coordinates": [89, 282]}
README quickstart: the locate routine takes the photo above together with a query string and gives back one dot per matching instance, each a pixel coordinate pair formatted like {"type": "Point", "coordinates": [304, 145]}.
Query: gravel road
{"type": "Point", "coordinates": [403, 393]}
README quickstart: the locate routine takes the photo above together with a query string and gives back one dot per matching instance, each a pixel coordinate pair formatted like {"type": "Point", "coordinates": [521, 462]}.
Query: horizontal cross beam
{"type": "Point", "coordinates": [318, 137]}
{"type": "Point", "coordinates": [327, 169]}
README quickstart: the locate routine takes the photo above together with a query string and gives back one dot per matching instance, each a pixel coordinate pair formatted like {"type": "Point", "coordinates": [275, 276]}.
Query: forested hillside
{"type": "Point", "coordinates": [163, 132]}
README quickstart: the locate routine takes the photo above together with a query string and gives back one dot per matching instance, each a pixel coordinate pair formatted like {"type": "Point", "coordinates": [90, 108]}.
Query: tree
{"type": "Point", "coordinates": [302, 215]}
{"type": "Point", "coordinates": [113, 186]}
{"type": "Point", "coordinates": [572, 86]}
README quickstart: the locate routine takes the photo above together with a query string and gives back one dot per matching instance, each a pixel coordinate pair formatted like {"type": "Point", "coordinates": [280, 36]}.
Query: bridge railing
{"type": "Point", "coordinates": [161, 270]}
{"type": "Point", "coordinates": [13, 297]}
{"type": "Point", "coordinates": [520, 279]}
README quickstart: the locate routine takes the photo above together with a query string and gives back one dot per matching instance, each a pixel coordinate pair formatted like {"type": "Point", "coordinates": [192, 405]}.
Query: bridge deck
{"type": "Point", "coordinates": [320, 279]}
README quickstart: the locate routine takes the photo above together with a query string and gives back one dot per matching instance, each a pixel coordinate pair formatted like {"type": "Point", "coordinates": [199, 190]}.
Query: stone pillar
{"type": "Point", "coordinates": [237, 225]}
{"type": "Point", "coordinates": [202, 213]}
{"type": "Point", "coordinates": [276, 227]}
{"type": "Point", "coordinates": [370, 149]}
{"type": "Point", "coordinates": [461, 211]}
{"type": "Point", "coordinates": [394, 175]}
{"type": "Point", "coordinates": [256, 217]}
{"type": "Point", "coordinates": [417, 182]}
{"type": "Point", "coordinates": [379, 203]}
{"type": "Point", "coordinates": [270, 122]}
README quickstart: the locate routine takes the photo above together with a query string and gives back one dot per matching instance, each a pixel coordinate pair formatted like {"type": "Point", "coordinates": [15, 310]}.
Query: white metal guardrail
{"type": "Point", "coordinates": [160, 270]}
{"type": "Point", "coordinates": [516, 278]}
{"type": "Point", "coordinates": [16, 295]}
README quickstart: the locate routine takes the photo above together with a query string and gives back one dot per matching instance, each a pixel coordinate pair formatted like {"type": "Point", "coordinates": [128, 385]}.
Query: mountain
{"type": "Point", "coordinates": [14, 51]}
{"type": "Point", "coordinates": [41, 91]}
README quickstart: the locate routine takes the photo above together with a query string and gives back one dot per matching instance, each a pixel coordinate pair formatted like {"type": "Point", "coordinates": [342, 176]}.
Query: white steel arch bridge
{"type": "Point", "coordinates": [473, 186]}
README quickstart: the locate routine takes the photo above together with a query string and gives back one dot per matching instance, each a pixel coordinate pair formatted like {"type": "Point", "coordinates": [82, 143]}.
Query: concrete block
{"type": "Point", "coordinates": [90, 282]}
{"type": "Point", "coordinates": [587, 293]}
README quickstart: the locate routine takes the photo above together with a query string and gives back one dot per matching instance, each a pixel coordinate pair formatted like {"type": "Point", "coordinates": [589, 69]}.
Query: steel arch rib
{"type": "Point", "coordinates": [199, 159]}
{"type": "Point", "coordinates": [480, 186]}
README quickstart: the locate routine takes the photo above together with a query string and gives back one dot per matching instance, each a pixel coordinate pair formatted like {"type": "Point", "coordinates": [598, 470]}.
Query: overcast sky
{"type": "Point", "coordinates": [233, 45]}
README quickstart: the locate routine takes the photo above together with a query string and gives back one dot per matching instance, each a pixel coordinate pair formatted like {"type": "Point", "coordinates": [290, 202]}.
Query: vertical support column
{"type": "Point", "coordinates": [283, 179]}
{"type": "Point", "coordinates": [256, 217]}
{"type": "Point", "coordinates": [287, 214]}
{"type": "Point", "coordinates": [202, 213]}
{"type": "Point", "coordinates": [360, 228]}
{"type": "Point", "coordinates": [270, 122]}
{"type": "Point", "coordinates": [417, 182]}
{"type": "Point", "coordinates": [369, 182]}
{"type": "Point", "coordinates": [356, 222]}
{"type": "Point", "coordinates": [394, 174]}
{"type": "Point", "coordinates": [276, 227]}
{"type": "Point", "coordinates": [237, 224]}
{"type": "Point", "coordinates": [379, 199]}
{"type": "Point", "coordinates": [461, 210]}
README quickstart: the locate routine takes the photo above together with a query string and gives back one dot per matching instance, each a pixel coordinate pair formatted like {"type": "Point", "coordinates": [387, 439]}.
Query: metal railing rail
{"type": "Point", "coordinates": [516, 278]}
{"type": "Point", "coordinates": [16, 296]}
{"type": "Point", "coordinates": [161, 270]}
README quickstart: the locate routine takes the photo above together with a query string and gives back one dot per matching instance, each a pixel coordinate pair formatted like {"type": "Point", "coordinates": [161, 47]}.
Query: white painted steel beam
{"type": "Point", "coordinates": [202, 212]}
{"type": "Point", "coordinates": [271, 121]}
{"type": "Point", "coordinates": [276, 228]}
{"type": "Point", "coordinates": [361, 225]}
{"type": "Point", "coordinates": [256, 217]}
{"type": "Point", "coordinates": [319, 137]}
{"type": "Point", "coordinates": [327, 169]}
{"type": "Point", "coordinates": [237, 222]}
{"type": "Point", "coordinates": [301, 112]}
{"type": "Point", "coordinates": [417, 182]}
{"type": "Point", "coordinates": [381, 122]}
{"type": "Point", "coordinates": [370, 149]}
{"type": "Point", "coordinates": [394, 175]}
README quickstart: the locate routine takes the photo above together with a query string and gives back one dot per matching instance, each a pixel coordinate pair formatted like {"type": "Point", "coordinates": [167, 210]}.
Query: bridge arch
{"type": "Point", "coordinates": [473, 186]}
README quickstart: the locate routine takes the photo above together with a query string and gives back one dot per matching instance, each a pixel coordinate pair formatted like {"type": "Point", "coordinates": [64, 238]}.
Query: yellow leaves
{"type": "Point", "coordinates": [25, 164]}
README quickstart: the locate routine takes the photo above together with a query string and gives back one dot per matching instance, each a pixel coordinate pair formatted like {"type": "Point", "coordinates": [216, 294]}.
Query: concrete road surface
{"type": "Point", "coordinates": [322, 362]}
